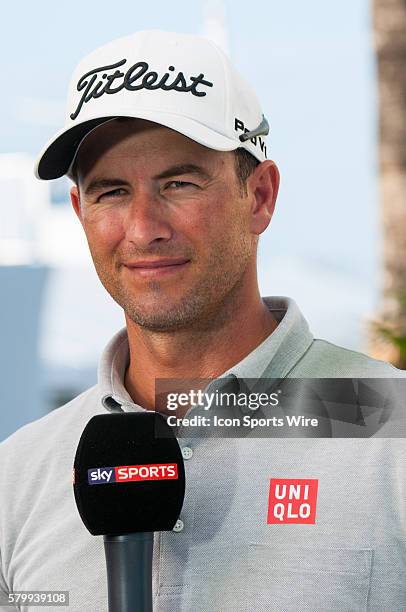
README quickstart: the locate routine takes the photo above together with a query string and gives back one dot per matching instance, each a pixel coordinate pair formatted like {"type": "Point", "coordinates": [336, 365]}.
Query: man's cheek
{"type": "Point", "coordinates": [103, 229]}
{"type": "Point", "coordinates": [215, 225]}
{"type": "Point", "coordinates": [194, 222]}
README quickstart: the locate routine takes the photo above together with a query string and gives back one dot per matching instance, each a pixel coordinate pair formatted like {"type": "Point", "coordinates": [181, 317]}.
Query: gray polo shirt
{"type": "Point", "coordinates": [225, 555]}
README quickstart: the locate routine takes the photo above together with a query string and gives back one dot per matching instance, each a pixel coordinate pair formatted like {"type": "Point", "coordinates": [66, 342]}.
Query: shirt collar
{"type": "Point", "coordinates": [273, 358]}
{"type": "Point", "coordinates": [111, 372]}
{"type": "Point", "coordinates": [282, 349]}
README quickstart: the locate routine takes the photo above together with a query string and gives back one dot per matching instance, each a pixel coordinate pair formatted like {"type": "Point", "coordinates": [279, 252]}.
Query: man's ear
{"type": "Point", "coordinates": [263, 186]}
{"type": "Point", "coordinates": [75, 199]}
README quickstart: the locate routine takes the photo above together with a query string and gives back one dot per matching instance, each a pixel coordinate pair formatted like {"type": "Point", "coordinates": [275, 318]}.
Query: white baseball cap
{"type": "Point", "coordinates": [181, 81]}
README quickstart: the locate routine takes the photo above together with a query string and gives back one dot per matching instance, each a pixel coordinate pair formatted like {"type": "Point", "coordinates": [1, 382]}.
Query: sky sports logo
{"type": "Point", "coordinates": [132, 473]}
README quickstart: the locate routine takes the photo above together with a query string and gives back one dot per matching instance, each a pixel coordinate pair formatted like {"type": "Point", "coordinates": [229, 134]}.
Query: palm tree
{"type": "Point", "coordinates": [388, 332]}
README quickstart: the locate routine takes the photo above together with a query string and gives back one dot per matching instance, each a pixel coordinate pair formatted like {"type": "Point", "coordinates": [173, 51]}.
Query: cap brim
{"type": "Point", "coordinates": [58, 154]}
{"type": "Point", "coordinates": [55, 159]}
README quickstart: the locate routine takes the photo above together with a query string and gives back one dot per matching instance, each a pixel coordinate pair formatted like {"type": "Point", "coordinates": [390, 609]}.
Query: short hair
{"type": "Point", "coordinates": [245, 164]}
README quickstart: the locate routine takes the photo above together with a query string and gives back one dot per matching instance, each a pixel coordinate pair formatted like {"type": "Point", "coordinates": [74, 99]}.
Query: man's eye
{"type": "Point", "coordinates": [112, 194]}
{"type": "Point", "coordinates": [179, 184]}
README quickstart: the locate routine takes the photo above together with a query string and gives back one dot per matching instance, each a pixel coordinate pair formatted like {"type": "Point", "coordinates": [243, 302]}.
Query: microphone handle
{"type": "Point", "coordinates": [129, 571]}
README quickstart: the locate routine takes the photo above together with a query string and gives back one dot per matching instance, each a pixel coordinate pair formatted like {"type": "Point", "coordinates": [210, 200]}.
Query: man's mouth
{"type": "Point", "coordinates": [157, 267]}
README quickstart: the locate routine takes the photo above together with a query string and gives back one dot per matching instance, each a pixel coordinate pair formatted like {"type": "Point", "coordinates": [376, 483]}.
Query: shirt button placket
{"type": "Point", "coordinates": [187, 453]}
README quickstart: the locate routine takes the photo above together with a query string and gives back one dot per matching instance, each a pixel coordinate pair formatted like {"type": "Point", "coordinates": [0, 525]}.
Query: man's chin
{"type": "Point", "coordinates": [159, 322]}
{"type": "Point", "coordinates": [162, 316]}
{"type": "Point", "coordinates": [167, 313]}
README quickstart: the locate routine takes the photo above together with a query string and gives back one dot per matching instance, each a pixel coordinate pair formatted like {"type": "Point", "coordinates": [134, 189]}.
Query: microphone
{"type": "Point", "coordinates": [129, 481]}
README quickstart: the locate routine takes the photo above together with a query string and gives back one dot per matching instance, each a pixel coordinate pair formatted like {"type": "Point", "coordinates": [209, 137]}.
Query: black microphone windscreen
{"type": "Point", "coordinates": [129, 474]}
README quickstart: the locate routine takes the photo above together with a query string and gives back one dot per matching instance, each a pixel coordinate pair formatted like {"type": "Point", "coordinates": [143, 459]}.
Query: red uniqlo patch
{"type": "Point", "coordinates": [292, 500]}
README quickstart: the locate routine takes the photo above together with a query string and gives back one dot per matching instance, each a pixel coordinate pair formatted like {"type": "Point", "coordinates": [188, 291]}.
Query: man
{"type": "Point", "coordinates": [166, 146]}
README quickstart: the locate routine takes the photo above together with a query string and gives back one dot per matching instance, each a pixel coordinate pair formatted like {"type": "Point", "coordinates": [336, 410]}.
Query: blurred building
{"type": "Point", "coordinates": [55, 315]}
{"type": "Point", "coordinates": [23, 277]}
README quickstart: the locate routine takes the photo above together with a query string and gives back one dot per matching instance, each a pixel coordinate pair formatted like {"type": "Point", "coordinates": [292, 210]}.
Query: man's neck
{"type": "Point", "coordinates": [193, 353]}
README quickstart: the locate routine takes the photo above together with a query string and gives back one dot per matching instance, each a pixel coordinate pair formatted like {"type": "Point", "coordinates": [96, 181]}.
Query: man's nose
{"type": "Point", "coordinates": [146, 219]}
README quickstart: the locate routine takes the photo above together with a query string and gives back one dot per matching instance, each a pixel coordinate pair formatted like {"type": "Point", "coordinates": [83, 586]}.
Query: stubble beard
{"type": "Point", "coordinates": [202, 306]}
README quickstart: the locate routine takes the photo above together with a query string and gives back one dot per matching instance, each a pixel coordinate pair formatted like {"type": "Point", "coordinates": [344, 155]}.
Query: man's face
{"type": "Point", "coordinates": [168, 227]}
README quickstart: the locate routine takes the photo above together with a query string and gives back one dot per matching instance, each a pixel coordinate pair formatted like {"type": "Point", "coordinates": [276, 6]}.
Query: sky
{"type": "Point", "coordinates": [313, 67]}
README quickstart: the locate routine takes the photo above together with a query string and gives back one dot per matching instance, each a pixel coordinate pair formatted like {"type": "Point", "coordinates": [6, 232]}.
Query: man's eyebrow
{"type": "Point", "coordinates": [97, 184]}
{"type": "Point", "coordinates": [183, 169]}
